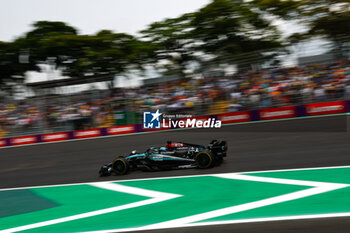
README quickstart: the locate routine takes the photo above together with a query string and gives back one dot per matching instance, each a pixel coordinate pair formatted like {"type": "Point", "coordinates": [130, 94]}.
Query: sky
{"type": "Point", "coordinates": [90, 16]}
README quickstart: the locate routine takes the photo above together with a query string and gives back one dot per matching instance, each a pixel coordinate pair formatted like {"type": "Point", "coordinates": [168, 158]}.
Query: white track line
{"type": "Point", "coordinates": [155, 197]}
{"type": "Point", "coordinates": [134, 191]}
{"type": "Point", "coordinates": [318, 187]}
{"type": "Point", "coordinates": [236, 176]}
{"type": "Point", "coordinates": [252, 220]}
{"type": "Point", "coordinates": [297, 169]}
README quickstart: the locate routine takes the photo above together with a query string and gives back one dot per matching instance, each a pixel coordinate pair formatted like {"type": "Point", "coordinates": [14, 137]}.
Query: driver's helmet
{"type": "Point", "coordinates": [134, 152]}
{"type": "Point", "coordinates": [150, 150]}
{"type": "Point", "coordinates": [162, 149]}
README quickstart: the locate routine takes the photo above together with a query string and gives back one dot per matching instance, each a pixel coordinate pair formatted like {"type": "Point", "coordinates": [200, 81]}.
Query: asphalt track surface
{"type": "Point", "coordinates": [301, 143]}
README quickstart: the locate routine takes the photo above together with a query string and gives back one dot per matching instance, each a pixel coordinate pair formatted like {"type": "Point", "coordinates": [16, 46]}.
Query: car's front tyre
{"type": "Point", "coordinates": [120, 166]}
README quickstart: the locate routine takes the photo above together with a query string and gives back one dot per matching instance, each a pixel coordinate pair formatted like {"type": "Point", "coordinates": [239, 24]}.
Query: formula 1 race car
{"type": "Point", "coordinates": [173, 156]}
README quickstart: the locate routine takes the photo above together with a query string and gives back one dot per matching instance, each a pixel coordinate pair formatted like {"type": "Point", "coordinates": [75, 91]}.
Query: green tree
{"type": "Point", "coordinates": [35, 41]}
{"type": "Point", "coordinates": [171, 44]}
{"type": "Point", "coordinates": [112, 53]}
{"type": "Point", "coordinates": [14, 63]}
{"type": "Point", "coordinates": [58, 44]}
{"type": "Point", "coordinates": [223, 32]}
{"type": "Point", "coordinates": [329, 19]}
{"type": "Point", "coordinates": [109, 54]}
{"type": "Point", "coordinates": [233, 30]}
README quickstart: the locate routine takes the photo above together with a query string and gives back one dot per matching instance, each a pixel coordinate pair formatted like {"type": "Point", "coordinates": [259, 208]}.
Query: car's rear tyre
{"type": "Point", "coordinates": [120, 166]}
{"type": "Point", "coordinates": [204, 160]}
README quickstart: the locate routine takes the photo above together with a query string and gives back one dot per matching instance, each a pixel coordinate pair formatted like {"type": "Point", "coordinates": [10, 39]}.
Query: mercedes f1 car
{"type": "Point", "coordinates": [173, 156]}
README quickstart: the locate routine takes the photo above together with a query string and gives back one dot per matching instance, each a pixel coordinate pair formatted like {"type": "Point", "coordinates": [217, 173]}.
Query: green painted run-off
{"type": "Point", "coordinates": [199, 194]}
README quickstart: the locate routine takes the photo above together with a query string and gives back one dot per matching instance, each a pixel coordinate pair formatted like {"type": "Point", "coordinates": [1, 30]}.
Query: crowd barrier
{"type": "Point", "coordinates": [226, 118]}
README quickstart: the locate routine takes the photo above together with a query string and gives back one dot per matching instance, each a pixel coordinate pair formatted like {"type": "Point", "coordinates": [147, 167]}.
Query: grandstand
{"type": "Point", "coordinates": [209, 95]}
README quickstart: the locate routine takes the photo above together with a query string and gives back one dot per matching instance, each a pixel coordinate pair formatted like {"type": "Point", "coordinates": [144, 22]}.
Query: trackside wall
{"type": "Point", "coordinates": [284, 112]}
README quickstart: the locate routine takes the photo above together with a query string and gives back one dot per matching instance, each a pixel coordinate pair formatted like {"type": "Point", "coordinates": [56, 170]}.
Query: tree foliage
{"type": "Point", "coordinates": [14, 62]}
{"type": "Point", "coordinates": [224, 30]}
{"type": "Point", "coordinates": [329, 19]}
{"type": "Point", "coordinates": [59, 45]}
{"type": "Point", "coordinates": [233, 30]}
{"type": "Point", "coordinates": [171, 40]}
{"type": "Point", "coordinates": [232, 26]}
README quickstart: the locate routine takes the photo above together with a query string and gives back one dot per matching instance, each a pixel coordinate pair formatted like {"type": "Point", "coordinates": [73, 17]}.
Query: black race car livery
{"type": "Point", "coordinates": [173, 156]}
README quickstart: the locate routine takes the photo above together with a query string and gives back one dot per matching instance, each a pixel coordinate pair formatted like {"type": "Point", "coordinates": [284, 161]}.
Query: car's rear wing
{"type": "Point", "coordinates": [218, 147]}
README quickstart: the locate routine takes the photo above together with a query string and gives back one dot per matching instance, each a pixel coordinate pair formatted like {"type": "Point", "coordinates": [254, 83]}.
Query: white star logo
{"type": "Point", "coordinates": [156, 115]}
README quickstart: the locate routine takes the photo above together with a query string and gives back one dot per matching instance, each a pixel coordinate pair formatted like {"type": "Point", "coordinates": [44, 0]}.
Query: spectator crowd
{"type": "Point", "coordinates": [208, 95]}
